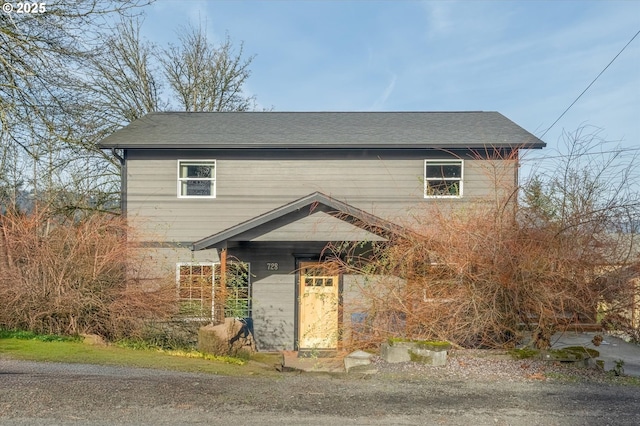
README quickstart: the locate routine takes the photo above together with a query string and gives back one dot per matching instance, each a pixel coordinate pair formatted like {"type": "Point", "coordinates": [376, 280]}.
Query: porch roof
{"type": "Point", "coordinates": [296, 211]}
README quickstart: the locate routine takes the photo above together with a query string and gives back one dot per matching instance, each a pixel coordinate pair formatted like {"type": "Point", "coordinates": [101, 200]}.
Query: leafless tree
{"type": "Point", "coordinates": [124, 80]}
{"type": "Point", "coordinates": [67, 80]}
{"type": "Point", "coordinates": [205, 77]}
{"type": "Point", "coordinates": [43, 57]}
{"type": "Point", "coordinates": [39, 52]}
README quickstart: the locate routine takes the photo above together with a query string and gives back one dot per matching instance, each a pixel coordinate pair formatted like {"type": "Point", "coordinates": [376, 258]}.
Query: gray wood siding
{"type": "Point", "coordinates": [159, 263]}
{"type": "Point", "coordinates": [273, 292]}
{"type": "Point", "coordinates": [273, 301]}
{"type": "Point", "coordinates": [319, 226]}
{"type": "Point", "coordinates": [385, 184]}
{"type": "Point", "coordinates": [353, 302]}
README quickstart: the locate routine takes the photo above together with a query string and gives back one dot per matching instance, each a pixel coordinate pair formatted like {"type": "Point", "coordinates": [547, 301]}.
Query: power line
{"type": "Point", "coordinates": [615, 151]}
{"type": "Point", "coordinates": [591, 84]}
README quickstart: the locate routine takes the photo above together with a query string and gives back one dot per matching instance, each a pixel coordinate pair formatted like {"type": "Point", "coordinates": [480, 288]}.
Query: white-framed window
{"type": "Point", "coordinates": [197, 178]}
{"type": "Point", "coordinates": [195, 290]}
{"type": "Point", "coordinates": [443, 178]}
{"type": "Point", "coordinates": [200, 294]}
{"type": "Point", "coordinates": [238, 291]}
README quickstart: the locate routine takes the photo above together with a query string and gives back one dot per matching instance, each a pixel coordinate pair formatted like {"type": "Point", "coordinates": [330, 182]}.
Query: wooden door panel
{"type": "Point", "coordinates": [318, 307]}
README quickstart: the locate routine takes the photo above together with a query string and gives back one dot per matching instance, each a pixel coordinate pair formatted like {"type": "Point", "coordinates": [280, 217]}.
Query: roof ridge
{"type": "Point", "coordinates": [325, 112]}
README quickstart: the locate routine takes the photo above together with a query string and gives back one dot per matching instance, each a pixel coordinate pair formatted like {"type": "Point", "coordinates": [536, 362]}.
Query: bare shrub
{"type": "Point", "coordinates": [69, 276]}
{"type": "Point", "coordinates": [478, 282]}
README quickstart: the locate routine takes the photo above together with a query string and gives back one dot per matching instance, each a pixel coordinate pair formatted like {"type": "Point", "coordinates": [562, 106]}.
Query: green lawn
{"type": "Point", "coordinates": [77, 352]}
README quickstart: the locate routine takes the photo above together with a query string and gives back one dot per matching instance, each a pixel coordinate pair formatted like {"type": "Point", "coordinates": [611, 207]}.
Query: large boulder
{"type": "Point", "coordinates": [229, 338]}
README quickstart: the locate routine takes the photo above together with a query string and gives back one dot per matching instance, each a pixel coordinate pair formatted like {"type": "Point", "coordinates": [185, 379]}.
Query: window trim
{"type": "Point", "coordinates": [444, 161]}
{"type": "Point", "coordinates": [209, 162]}
{"type": "Point", "coordinates": [213, 286]}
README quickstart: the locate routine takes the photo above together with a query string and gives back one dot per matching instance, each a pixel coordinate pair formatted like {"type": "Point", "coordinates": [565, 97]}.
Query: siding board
{"type": "Point", "coordinates": [273, 292]}
{"type": "Point", "coordinates": [385, 184]}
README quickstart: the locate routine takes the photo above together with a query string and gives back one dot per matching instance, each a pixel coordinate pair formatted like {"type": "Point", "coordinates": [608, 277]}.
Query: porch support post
{"type": "Point", "coordinates": [223, 285]}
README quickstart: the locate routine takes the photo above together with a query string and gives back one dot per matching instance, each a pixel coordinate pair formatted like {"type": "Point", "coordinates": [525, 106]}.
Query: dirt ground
{"type": "Point", "coordinates": [66, 394]}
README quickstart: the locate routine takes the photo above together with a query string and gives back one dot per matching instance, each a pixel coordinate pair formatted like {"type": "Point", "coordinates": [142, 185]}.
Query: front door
{"type": "Point", "coordinates": [318, 307]}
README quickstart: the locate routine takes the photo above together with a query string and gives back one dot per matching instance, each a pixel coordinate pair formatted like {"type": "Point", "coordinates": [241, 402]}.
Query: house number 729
{"type": "Point", "coordinates": [272, 266]}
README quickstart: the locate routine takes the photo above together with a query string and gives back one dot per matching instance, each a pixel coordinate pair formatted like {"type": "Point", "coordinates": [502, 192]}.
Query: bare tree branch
{"type": "Point", "coordinates": [204, 77]}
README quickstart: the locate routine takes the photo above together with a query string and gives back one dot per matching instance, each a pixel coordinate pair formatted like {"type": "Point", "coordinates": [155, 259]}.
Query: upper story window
{"type": "Point", "coordinates": [197, 179]}
{"type": "Point", "coordinates": [443, 178]}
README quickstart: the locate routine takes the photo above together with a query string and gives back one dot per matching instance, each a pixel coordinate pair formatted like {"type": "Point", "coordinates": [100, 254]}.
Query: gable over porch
{"type": "Point", "coordinates": [284, 249]}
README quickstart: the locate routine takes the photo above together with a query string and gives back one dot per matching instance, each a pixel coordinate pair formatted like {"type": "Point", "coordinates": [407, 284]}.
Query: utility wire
{"type": "Point", "coordinates": [616, 151]}
{"type": "Point", "coordinates": [591, 84]}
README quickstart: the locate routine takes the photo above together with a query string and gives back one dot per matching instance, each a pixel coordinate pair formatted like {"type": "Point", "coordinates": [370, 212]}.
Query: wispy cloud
{"type": "Point", "coordinates": [439, 20]}
{"type": "Point", "coordinates": [382, 99]}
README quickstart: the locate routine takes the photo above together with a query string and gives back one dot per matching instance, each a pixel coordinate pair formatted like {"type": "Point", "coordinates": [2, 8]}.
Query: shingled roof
{"type": "Point", "coordinates": [382, 130]}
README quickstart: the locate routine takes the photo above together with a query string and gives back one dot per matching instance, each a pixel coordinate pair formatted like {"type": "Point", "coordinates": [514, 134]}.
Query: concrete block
{"type": "Point", "coordinates": [430, 354]}
{"type": "Point", "coordinates": [398, 352]}
{"type": "Point", "coordinates": [429, 357]}
{"type": "Point", "coordinates": [356, 359]}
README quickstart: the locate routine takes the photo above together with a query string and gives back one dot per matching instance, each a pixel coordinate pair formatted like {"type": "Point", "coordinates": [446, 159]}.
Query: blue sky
{"type": "Point", "coordinates": [528, 60]}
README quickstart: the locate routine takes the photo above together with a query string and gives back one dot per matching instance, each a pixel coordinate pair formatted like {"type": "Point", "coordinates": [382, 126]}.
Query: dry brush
{"type": "Point", "coordinates": [72, 275]}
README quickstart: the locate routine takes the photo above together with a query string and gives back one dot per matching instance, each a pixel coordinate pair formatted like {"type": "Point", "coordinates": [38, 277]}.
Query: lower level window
{"type": "Point", "coordinates": [238, 291]}
{"type": "Point", "coordinates": [201, 295]}
{"type": "Point", "coordinates": [195, 290]}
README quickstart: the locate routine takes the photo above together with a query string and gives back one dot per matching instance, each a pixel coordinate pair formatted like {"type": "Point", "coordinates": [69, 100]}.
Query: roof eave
{"type": "Point", "coordinates": [317, 146]}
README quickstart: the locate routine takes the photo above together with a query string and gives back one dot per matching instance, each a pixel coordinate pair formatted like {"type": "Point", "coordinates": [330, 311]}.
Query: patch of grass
{"type": "Point", "coordinates": [136, 344]}
{"type": "Point", "coordinates": [609, 378]}
{"type": "Point", "coordinates": [80, 353]}
{"type": "Point", "coordinates": [524, 353]}
{"type": "Point", "coordinates": [571, 353]}
{"type": "Point", "coordinates": [574, 353]}
{"type": "Point", "coordinates": [268, 358]}
{"type": "Point", "coordinates": [209, 357]}
{"type": "Point", "coordinates": [631, 380]}
{"type": "Point", "coordinates": [29, 335]}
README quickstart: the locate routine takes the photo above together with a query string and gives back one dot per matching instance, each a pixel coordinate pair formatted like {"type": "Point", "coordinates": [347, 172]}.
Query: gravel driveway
{"type": "Point", "coordinates": [484, 392]}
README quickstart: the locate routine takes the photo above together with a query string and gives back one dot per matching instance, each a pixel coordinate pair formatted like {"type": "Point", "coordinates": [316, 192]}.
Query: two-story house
{"type": "Point", "coordinates": [258, 196]}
